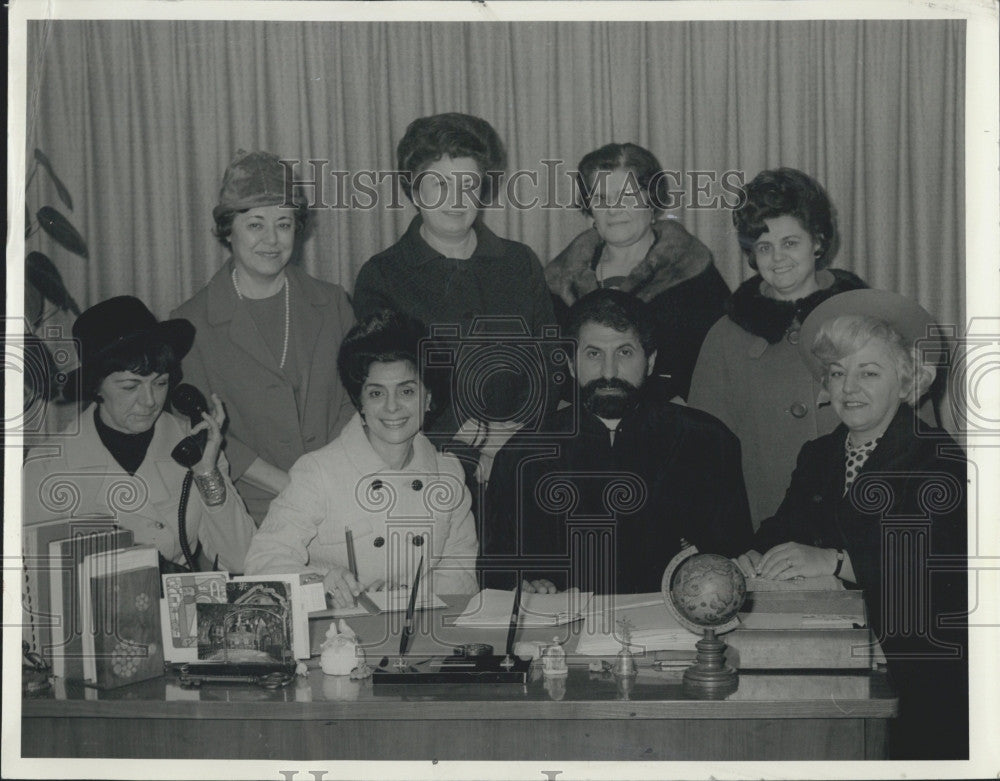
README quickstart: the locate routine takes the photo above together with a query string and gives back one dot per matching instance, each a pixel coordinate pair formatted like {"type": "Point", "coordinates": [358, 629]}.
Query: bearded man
{"type": "Point", "coordinates": [614, 486]}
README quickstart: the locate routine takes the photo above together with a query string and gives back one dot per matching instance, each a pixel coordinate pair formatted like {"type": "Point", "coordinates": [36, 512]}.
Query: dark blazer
{"type": "Point", "coordinates": [230, 358]}
{"type": "Point", "coordinates": [904, 525]}
{"type": "Point", "coordinates": [606, 517]}
{"type": "Point", "coordinates": [501, 291]}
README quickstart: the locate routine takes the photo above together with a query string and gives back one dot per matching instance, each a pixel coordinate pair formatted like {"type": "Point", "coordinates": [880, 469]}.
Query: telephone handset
{"type": "Point", "coordinates": [188, 400]}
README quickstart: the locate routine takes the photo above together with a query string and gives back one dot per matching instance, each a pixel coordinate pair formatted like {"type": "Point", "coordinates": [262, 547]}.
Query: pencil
{"type": "Point", "coordinates": [352, 561]}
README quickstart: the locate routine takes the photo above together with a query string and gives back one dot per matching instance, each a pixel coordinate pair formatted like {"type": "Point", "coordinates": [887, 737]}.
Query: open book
{"type": "Point", "coordinates": [644, 617]}
{"type": "Point", "coordinates": [492, 607]}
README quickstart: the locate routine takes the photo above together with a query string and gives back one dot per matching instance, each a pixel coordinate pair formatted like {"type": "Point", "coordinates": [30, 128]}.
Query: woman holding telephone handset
{"type": "Point", "coordinates": [116, 460]}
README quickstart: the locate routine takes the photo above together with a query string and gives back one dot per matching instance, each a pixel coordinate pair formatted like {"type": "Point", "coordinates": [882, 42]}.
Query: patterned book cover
{"type": "Point", "coordinates": [182, 593]}
{"type": "Point", "coordinates": [254, 626]}
{"type": "Point", "coordinates": [122, 639]}
{"type": "Point", "coordinates": [65, 561]}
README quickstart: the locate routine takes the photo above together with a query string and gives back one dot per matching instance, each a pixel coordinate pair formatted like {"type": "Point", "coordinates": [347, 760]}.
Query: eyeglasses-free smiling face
{"type": "Point", "coordinates": [131, 403]}
{"type": "Point", "coordinates": [393, 403]}
{"type": "Point", "coordinates": [786, 258]}
{"type": "Point", "coordinates": [262, 241]}
{"type": "Point", "coordinates": [866, 390]}
{"type": "Point", "coordinates": [446, 197]}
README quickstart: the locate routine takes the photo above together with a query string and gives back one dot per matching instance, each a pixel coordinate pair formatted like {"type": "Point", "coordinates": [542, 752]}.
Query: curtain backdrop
{"type": "Point", "coordinates": [141, 118]}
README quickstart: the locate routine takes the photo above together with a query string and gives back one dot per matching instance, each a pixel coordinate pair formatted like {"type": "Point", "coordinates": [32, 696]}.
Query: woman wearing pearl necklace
{"type": "Point", "coordinates": [267, 334]}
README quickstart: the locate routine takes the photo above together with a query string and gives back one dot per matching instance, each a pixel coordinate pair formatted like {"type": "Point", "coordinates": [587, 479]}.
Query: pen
{"type": "Point", "coordinates": [404, 641]}
{"type": "Point", "coordinates": [512, 630]}
{"type": "Point", "coordinates": [352, 561]}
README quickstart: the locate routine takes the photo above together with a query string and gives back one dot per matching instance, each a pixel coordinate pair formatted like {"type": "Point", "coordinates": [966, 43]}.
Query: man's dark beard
{"type": "Point", "coordinates": [609, 405]}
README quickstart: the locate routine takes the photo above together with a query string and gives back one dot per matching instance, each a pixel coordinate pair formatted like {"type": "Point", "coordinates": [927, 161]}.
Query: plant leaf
{"type": "Point", "coordinates": [27, 221]}
{"type": "Point", "coordinates": [64, 195]}
{"type": "Point", "coordinates": [42, 274]}
{"type": "Point", "coordinates": [34, 303]}
{"type": "Point", "coordinates": [60, 229]}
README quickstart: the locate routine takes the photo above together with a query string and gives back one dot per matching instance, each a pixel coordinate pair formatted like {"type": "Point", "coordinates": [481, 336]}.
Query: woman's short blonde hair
{"type": "Point", "coordinates": [844, 335]}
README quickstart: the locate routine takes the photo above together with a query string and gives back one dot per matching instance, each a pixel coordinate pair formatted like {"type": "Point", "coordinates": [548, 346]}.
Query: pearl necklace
{"type": "Point", "coordinates": [288, 316]}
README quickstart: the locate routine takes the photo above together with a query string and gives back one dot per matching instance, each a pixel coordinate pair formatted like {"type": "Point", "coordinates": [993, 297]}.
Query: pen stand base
{"type": "Point", "coordinates": [455, 669]}
{"type": "Point", "coordinates": [710, 677]}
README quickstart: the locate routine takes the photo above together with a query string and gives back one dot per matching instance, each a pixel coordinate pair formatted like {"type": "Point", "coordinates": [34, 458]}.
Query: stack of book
{"type": "Point", "coordinates": [91, 601]}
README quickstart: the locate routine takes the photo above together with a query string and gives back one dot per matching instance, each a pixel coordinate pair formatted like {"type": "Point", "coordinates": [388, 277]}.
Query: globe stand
{"type": "Point", "coordinates": [704, 592]}
{"type": "Point", "coordinates": [710, 677]}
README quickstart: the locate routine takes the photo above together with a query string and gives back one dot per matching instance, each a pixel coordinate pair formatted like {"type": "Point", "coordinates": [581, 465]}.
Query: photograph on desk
{"type": "Point", "coordinates": [603, 390]}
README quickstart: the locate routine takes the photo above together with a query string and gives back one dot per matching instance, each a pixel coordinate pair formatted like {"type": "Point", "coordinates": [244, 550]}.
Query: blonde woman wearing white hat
{"type": "Point", "coordinates": [881, 503]}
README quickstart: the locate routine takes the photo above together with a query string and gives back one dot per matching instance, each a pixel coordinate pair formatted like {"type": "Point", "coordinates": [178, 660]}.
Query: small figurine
{"type": "Point", "coordinates": [340, 653]}
{"type": "Point", "coordinates": [554, 659]}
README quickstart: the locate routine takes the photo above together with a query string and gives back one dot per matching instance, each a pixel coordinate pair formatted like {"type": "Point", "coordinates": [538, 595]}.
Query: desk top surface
{"type": "Point", "coordinates": [786, 693]}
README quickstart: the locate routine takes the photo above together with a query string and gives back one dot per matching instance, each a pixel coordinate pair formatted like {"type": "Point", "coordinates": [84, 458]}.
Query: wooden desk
{"type": "Point", "coordinates": [774, 714]}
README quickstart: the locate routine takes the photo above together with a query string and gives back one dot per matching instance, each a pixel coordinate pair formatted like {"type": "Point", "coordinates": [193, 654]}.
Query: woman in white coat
{"type": "Point", "coordinates": [381, 479]}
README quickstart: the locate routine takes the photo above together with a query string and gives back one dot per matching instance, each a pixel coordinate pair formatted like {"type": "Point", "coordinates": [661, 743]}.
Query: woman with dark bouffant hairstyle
{"type": "Point", "coordinates": [748, 373]}
{"type": "Point", "coordinates": [625, 191]}
{"type": "Point", "coordinates": [485, 297]}
{"type": "Point", "coordinates": [381, 480]}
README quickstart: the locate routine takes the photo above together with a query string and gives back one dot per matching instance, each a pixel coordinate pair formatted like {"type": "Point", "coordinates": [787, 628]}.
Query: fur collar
{"type": "Point", "coordinates": [770, 318]}
{"type": "Point", "coordinates": [675, 256]}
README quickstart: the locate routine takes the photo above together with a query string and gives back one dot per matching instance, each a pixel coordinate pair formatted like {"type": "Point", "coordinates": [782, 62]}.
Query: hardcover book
{"type": "Point", "coordinates": [121, 617]}
{"type": "Point", "coordinates": [65, 597]}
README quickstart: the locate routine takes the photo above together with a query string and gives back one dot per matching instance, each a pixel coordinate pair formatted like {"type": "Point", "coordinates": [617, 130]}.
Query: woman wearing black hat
{"type": "Point", "coordinates": [115, 461]}
{"type": "Point", "coordinates": [881, 503]}
{"type": "Point", "coordinates": [267, 334]}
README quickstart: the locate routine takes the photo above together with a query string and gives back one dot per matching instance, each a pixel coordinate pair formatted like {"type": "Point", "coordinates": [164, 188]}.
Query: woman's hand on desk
{"type": "Point", "coordinates": [795, 560]}
{"type": "Point", "coordinates": [540, 586]}
{"type": "Point", "coordinates": [342, 586]}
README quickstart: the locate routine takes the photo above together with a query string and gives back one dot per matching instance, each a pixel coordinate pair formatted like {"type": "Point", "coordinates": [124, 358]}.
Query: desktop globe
{"type": "Point", "coordinates": [705, 592]}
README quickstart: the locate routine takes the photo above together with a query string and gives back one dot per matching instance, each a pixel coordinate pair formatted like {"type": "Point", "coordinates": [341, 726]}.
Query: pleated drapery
{"type": "Point", "coordinates": [140, 119]}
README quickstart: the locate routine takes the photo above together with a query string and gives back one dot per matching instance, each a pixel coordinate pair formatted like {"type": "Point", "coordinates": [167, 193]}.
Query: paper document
{"type": "Point", "coordinates": [390, 601]}
{"type": "Point", "coordinates": [492, 607]}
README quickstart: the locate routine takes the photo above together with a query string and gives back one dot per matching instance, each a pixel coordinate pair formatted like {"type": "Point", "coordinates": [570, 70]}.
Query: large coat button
{"type": "Point", "coordinates": [416, 485]}
{"type": "Point", "coordinates": [379, 542]}
{"type": "Point", "coordinates": [418, 540]}
{"type": "Point", "coordinates": [793, 336]}
{"type": "Point", "coordinates": [376, 485]}
{"type": "Point", "coordinates": [798, 410]}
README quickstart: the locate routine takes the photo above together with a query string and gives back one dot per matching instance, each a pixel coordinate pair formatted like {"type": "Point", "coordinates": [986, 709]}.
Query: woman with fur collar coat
{"type": "Point", "coordinates": [748, 373]}
{"type": "Point", "coordinates": [630, 249]}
